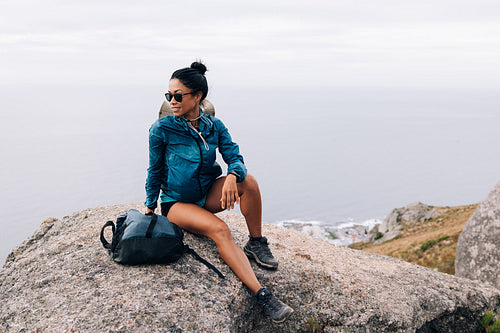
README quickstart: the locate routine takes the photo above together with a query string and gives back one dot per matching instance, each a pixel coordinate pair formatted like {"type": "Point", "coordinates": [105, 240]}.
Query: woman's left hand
{"type": "Point", "coordinates": [229, 193]}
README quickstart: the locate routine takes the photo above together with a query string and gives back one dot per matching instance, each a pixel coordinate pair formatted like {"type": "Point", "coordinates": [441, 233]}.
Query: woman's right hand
{"type": "Point", "coordinates": [149, 211]}
{"type": "Point", "coordinates": [230, 194]}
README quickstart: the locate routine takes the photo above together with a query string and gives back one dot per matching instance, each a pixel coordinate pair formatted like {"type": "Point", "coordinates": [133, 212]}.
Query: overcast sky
{"type": "Point", "coordinates": [330, 43]}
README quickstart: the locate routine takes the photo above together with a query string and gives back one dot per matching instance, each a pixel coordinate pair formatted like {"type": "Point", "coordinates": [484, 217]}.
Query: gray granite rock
{"type": "Point", "coordinates": [372, 234]}
{"type": "Point", "coordinates": [412, 213]}
{"type": "Point", "coordinates": [478, 248]}
{"type": "Point", "coordinates": [62, 280]}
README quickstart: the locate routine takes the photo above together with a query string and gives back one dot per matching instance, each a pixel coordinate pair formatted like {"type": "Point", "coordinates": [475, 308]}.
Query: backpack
{"type": "Point", "coordinates": [147, 239]}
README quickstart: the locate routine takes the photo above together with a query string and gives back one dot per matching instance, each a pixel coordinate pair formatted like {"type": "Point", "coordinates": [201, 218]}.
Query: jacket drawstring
{"type": "Point", "coordinates": [207, 147]}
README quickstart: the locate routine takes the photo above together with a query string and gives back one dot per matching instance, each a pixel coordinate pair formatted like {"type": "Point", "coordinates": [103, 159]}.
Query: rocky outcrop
{"type": "Point", "coordinates": [62, 280]}
{"type": "Point", "coordinates": [372, 234]}
{"type": "Point", "coordinates": [412, 213]}
{"type": "Point", "coordinates": [206, 106]}
{"type": "Point", "coordinates": [478, 248]}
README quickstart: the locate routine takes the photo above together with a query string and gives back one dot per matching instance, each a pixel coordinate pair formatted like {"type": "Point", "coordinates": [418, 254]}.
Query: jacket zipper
{"type": "Point", "coordinates": [197, 140]}
{"type": "Point", "coordinates": [201, 164]}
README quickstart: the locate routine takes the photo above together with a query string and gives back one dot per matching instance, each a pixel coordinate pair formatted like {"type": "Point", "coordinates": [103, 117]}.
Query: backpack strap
{"type": "Point", "coordinates": [151, 226]}
{"type": "Point", "coordinates": [203, 261]}
{"type": "Point", "coordinates": [103, 240]}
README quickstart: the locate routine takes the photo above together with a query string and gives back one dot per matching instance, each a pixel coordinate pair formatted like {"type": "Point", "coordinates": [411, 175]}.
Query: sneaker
{"type": "Point", "coordinates": [258, 249]}
{"type": "Point", "coordinates": [278, 310]}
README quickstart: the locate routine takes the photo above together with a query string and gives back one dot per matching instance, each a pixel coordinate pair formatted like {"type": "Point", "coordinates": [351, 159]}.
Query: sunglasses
{"type": "Point", "coordinates": [178, 97]}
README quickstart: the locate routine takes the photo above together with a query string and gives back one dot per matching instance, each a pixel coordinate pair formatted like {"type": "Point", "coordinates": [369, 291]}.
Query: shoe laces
{"type": "Point", "coordinates": [263, 247]}
{"type": "Point", "coordinates": [272, 303]}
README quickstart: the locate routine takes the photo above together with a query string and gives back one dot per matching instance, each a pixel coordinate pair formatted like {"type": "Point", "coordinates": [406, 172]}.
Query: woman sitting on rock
{"type": "Point", "coordinates": [182, 167]}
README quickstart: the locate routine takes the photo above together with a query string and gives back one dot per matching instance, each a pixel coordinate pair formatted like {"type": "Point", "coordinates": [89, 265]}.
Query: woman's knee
{"type": "Point", "coordinates": [220, 232]}
{"type": "Point", "coordinates": [250, 183]}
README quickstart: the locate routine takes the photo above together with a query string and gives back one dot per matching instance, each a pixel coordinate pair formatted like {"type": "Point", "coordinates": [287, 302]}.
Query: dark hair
{"type": "Point", "coordinates": [194, 78]}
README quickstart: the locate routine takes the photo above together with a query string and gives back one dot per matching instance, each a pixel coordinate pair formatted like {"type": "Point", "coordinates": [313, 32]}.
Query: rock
{"type": "Point", "coordinates": [478, 247]}
{"type": "Point", "coordinates": [372, 233]}
{"type": "Point", "coordinates": [206, 106]}
{"type": "Point", "coordinates": [63, 280]}
{"type": "Point", "coordinates": [325, 232]}
{"type": "Point", "coordinates": [416, 212]}
{"type": "Point", "coordinates": [344, 234]}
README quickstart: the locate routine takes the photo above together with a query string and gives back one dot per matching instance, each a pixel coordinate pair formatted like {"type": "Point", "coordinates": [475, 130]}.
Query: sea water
{"type": "Point", "coordinates": [333, 156]}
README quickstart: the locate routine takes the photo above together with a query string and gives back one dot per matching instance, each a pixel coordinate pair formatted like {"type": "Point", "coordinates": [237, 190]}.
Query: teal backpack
{"type": "Point", "coordinates": [147, 239]}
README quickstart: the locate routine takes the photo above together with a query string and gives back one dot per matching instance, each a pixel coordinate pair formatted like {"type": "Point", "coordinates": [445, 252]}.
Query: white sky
{"type": "Point", "coordinates": [331, 43]}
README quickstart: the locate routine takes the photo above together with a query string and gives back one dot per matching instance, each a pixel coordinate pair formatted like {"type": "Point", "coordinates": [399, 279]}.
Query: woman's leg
{"type": "Point", "coordinates": [198, 220]}
{"type": "Point", "coordinates": [257, 247]}
{"type": "Point", "coordinates": [201, 221]}
{"type": "Point", "coordinates": [250, 202]}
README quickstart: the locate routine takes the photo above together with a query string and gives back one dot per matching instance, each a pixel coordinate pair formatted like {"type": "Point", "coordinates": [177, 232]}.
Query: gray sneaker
{"type": "Point", "coordinates": [258, 249]}
{"type": "Point", "coordinates": [278, 310]}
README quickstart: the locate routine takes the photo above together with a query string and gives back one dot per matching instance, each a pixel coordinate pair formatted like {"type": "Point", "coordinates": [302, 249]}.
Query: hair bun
{"type": "Point", "coordinates": [199, 67]}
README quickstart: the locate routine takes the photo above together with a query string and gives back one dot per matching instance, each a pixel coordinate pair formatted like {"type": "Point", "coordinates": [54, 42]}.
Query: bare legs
{"type": "Point", "coordinates": [250, 202]}
{"type": "Point", "coordinates": [202, 221]}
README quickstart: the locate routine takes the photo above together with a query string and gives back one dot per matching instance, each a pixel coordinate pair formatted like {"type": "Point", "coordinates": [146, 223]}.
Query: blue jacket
{"type": "Point", "coordinates": [180, 163]}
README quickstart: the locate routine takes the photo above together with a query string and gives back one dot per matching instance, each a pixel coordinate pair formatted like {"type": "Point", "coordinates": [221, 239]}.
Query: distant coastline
{"type": "Point", "coordinates": [343, 234]}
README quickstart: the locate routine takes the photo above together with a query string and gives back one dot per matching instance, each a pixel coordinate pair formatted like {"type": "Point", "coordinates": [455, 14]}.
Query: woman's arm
{"type": "Point", "coordinates": [236, 170]}
{"type": "Point", "coordinates": [230, 152]}
{"type": "Point", "coordinates": [156, 169]}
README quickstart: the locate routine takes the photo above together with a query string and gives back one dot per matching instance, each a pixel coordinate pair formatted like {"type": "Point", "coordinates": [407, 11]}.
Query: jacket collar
{"type": "Point", "coordinates": [206, 124]}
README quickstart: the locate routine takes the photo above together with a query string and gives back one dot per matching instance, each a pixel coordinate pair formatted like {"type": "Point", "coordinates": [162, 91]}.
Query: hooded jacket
{"type": "Point", "coordinates": [182, 159]}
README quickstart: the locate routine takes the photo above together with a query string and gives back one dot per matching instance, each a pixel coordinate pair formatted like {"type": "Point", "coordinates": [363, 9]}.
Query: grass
{"type": "Point", "coordinates": [431, 244]}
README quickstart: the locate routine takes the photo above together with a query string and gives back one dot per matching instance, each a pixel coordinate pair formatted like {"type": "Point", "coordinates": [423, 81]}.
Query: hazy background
{"type": "Point", "coordinates": [343, 110]}
{"type": "Point", "coordinates": [426, 44]}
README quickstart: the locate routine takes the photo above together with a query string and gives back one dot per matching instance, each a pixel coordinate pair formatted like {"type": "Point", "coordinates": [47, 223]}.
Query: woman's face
{"type": "Point", "coordinates": [189, 106]}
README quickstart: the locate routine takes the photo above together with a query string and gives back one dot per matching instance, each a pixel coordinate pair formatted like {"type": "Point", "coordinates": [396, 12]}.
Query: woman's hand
{"type": "Point", "coordinates": [149, 211]}
{"type": "Point", "coordinates": [229, 193]}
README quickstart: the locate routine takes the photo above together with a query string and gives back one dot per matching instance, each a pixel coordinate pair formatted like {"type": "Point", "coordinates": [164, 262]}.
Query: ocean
{"type": "Point", "coordinates": [321, 156]}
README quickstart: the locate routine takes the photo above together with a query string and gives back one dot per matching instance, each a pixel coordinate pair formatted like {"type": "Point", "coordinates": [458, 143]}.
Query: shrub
{"type": "Point", "coordinates": [428, 244]}
{"type": "Point", "coordinates": [431, 242]}
{"type": "Point", "coordinates": [331, 235]}
{"type": "Point", "coordinates": [314, 326]}
{"type": "Point", "coordinates": [495, 328]}
{"type": "Point", "coordinates": [378, 235]}
{"type": "Point", "coordinates": [485, 323]}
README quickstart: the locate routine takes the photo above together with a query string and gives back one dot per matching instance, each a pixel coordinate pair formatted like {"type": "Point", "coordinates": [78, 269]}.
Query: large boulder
{"type": "Point", "coordinates": [411, 214]}
{"type": "Point", "coordinates": [62, 280]}
{"type": "Point", "coordinates": [478, 248]}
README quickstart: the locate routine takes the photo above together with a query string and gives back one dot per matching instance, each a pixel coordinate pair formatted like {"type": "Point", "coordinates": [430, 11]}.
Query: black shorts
{"type": "Point", "coordinates": [165, 207]}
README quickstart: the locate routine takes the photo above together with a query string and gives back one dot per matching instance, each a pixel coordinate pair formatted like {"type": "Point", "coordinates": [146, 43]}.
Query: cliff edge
{"type": "Point", "coordinates": [61, 279]}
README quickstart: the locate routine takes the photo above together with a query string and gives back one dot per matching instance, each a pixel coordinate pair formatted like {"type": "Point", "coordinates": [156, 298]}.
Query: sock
{"type": "Point", "coordinates": [257, 294]}
{"type": "Point", "coordinates": [255, 238]}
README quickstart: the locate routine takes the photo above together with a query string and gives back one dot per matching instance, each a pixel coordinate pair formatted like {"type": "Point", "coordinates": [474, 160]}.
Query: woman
{"type": "Point", "coordinates": [182, 167]}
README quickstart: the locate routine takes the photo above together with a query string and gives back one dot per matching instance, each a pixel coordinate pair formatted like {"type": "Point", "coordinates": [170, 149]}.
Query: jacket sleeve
{"type": "Point", "coordinates": [230, 152]}
{"type": "Point", "coordinates": [156, 169]}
